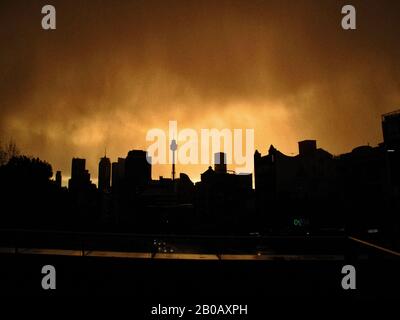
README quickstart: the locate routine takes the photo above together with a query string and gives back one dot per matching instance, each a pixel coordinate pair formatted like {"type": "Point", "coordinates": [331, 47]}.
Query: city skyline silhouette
{"type": "Point", "coordinates": [309, 205]}
{"type": "Point", "coordinates": [289, 191]}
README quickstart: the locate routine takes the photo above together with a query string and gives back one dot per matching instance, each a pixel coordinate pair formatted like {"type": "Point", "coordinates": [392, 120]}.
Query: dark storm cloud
{"type": "Point", "coordinates": [114, 69]}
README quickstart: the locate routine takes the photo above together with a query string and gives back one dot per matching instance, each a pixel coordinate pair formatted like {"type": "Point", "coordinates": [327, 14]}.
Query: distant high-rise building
{"type": "Point", "coordinates": [118, 174]}
{"type": "Point", "coordinates": [58, 179]}
{"type": "Point", "coordinates": [104, 174]}
{"type": "Point", "coordinates": [137, 168]}
{"type": "Point", "coordinates": [307, 147]}
{"type": "Point", "coordinates": [80, 177]}
{"type": "Point", "coordinates": [391, 142]}
{"type": "Point", "coordinates": [220, 162]}
{"type": "Point", "coordinates": [78, 168]}
{"type": "Point", "coordinates": [391, 129]}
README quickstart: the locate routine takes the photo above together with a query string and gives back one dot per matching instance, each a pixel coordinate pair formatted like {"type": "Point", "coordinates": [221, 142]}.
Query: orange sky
{"type": "Point", "coordinates": [115, 69]}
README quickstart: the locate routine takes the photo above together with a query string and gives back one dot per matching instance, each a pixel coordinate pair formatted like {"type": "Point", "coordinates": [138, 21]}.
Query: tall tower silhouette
{"type": "Point", "coordinates": [104, 174]}
{"type": "Point", "coordinates": [58, 179]}
{"type": "Point", "coordinates": [173, 148]}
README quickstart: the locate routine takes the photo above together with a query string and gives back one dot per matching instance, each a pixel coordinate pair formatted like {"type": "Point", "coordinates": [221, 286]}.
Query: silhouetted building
{"type": "Point", "coordinates": [82, 191]}
{"type": "Point", "coordinates": [58, 179]}
{"type": "Point", "coordinates": [363, 187]}
{"type": "Point", "coordinates": [137, 169]}
{"type": "Point", "coordinates": [391, 142]}
{"type": "Point", "coordinates": [391, 129]}
{"type": "Point", "coordinates": [294, 188]}
{"type": "Point", "coordinates": [168, 204]}
{"type": "Point", "coordinates": [118, 174]}
{"type": "Point", "coordinates": [114, 174]}
{"type": "Point", "coordinates": [307, 148]}
{"type": "Point", "coordinates": [80, 177]}
{"type": "Point", "coordinates": [118, 186]}
{"type": "Point", "coordinates": [224, 199]}
{"type": "Point", "coordinates": [184, 189]}
{"type": "Point", "coordinates": [77, 168]}
{"type": "Point", "coordinates": [104, 198]}
{"type": "Point", "coordinates": [104, 174]}
{"type": "Point", "coordinates": [168, 192]}
{"type": "Point", "coordinates": [220, 162]}
{"type": "Point", "coordinates": [128, 201]}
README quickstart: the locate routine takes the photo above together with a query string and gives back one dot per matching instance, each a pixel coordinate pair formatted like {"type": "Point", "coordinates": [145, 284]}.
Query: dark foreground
{"type": "Point", "coordinates": [187, 279]}
{"type": "Point", "coordinates": [262, 267]}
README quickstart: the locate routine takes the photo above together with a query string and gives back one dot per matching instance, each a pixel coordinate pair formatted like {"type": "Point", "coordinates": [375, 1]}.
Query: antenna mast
{"type": "Point", "coordinates": [173, 148]}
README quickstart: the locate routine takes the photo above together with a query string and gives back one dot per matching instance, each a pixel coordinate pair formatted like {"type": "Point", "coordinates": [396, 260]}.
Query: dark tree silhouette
{"type": "Point", "coordinates": [28, 170]}
{"type": "Point", "coordinates": [28, 195]}
{"type": "Point", "coordinates": [8, 151]}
